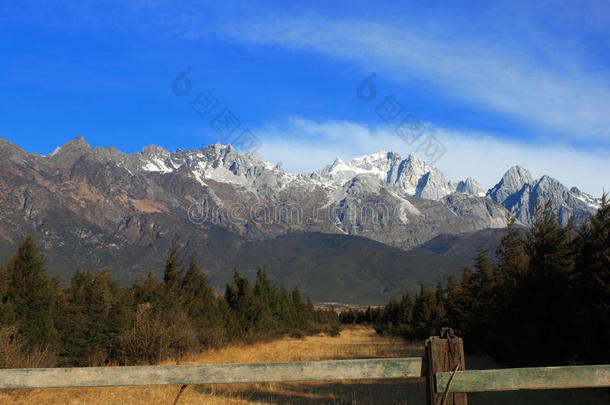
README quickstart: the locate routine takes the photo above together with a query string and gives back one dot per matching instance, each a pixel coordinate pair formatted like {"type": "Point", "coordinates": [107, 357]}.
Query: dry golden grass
{"type": "Point", "coordinates": [354, 342]}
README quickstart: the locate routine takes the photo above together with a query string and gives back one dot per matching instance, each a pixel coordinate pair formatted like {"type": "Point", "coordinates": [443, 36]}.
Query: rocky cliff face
{"type": "Point", "coordinates": [99, 207]}
{"type": "Point", "coordinates": [519, 193]}
{"type": "Point", "coordinates": [470, 186]}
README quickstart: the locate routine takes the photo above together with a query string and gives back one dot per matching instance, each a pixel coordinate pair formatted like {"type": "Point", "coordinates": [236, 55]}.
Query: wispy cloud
{"type": "Point", "coordinates": [305, 146]}
{"type": "Point", "coordinates": [565, 100]}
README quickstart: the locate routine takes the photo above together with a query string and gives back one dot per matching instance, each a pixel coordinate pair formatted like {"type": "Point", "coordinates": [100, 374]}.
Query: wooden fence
{"type": "Point", "coordinates": [443, 367]}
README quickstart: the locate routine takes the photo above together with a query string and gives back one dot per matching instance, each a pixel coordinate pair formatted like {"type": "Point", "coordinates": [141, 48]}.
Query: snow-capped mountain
{"type": "Point", "coordinates": [109, 204]}
{"type": "Point", "coordinates": [411, 176]}
{"type": "Point", "coordinates": [520, 193]}
{"type": "Point", "coordinates": [517, 190]}
{"type": "Point", "coordinates": [470, 186]}
{"type": "Point", "coordinates": [511, 183]}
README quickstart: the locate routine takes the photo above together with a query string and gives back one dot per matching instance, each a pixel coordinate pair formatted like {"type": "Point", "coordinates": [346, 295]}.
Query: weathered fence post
{"type": "Point", "coordinates": [444, 353]}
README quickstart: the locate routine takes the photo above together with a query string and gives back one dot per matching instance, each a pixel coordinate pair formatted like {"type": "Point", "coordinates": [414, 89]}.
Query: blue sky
{"type": "Point", "coordinates": [498, 84]}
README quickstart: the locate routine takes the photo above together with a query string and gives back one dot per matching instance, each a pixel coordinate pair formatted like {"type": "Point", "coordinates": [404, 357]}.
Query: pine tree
{"type": "Point", "coordinates": [197, 295]}
{"type": "Point", "coordinates": [84, 319]}
{"type": "Point", "coordinates": [101, 300]}
{"type": "Point", "coordinates": [547, 301]}
{"type": "Point", "coordinates": [480, 329]}
{"type": "Point", "coordinates": [426, 312]}
{"type": "Point", "coordinates": [239, 295]}
{"type": "Point", "coordinates": [172, 277]}
{"type": "Point", "coordinates": [5, 307]}
{"type": "Point", "coordinates": [548, 245]}
{"type": "Point", "coordinates": [542, 301]}
{"type": "Point", "coordinates": [149, 291]}
{"type": "Point", "coordinates": [512, 257]}
{"type": "Point", "coordinates": [592, 278]}
{"type": "Point", "coordinates": [470, 305]}
{"type": "Point", "coordinates": [31, 296]}
{"type": "Point", "coordinates": [120, 319]}
{"type": "Point", "coordinates": [397, 316]}
{"type": "Point", "coordinates": [390, 319]}
{"type": "Point", "coordinates": [181, 333]}
{"type": "Point", "coordinates": [207, 312]}
{"type": "Point", "coordinates": [513, 263]}
{"type": "Point", "coordinates": [297, 299]}
{"type": "Point", "coordinates": [263, 287]}
{"type": "Point", "coordinates": [456, 304]}
{"type": "Point", "coordinates": [272, 312]}
{"type": "Point", "coordinates": [72, 321]}
{"type": "Point", "coordinates": [304, 319]}
{"type": "Point", "coordinates": [406, 309]}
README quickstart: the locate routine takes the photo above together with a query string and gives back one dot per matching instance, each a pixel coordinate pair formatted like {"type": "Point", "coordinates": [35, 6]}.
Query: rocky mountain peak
{"type": "Point", "coordinates": [155, 151]}
{"type": "Point", "coordinates": [433, 186]}
{"type": "Point", "coordinates": [415, 177]}
{"type": "Point", "coordinates": [517, 175]}
{"type": "Point", "coordinates": [517, 191]}
{"type": "Point", "coordinates": [7, 147]}
{"type": "Point", "coordinates": [379, 160]}
{"type": "Point", "coordinates": [71, 151]}
{"type": "Point", "coordinates": [337, 173]}
{"type": "Point", "coordinates": [130, 206]}
{"type": "Point", "coordinates": [415, 159]}
{"type": "Point", "coordinates": [415, 166]}
{"type": "Point", "coordinates": [338, 163]}
{"type": "Point", "coordinates": [549, 181]}
{"type": "Point", "coordinates": [470, 186]}
{"type": "Point", "coordinates": [78, 144]}
{"type": "Point", "coordinates": [512, 182]}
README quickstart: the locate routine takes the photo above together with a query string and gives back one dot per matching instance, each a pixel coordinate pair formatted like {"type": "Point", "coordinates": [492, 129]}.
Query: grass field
{"type": "Point", "coordinates": [356, 342]}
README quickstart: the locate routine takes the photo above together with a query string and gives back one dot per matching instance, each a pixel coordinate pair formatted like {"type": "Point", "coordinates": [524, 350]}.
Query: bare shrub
{"type": "Point", "coordinates": [11, 347]}
{"type": "Point", "coordinates": [97, 358]}
{"type": "Point", "coordinates": [181, 337]}
{"type": "Point", "coordinates": [40, 357]}
{"type": "Point", "coordinates": [13, 352]}
{"type": "Point", "coordinates": [147, 340]}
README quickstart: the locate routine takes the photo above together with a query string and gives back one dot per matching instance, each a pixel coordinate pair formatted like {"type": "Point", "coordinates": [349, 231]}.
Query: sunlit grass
{"type": "Point", "coordinates": [356, 342]}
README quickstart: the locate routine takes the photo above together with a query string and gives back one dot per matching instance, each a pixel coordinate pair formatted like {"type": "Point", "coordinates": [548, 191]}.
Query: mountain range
{"type": "Point", "coordinates": [351, 231]}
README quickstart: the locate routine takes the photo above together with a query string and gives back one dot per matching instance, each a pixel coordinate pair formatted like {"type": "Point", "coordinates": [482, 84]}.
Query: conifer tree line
{"type": "Point", "coordinates": [94, 321]}
{"type": "Point", "coordinates": [543, 299]}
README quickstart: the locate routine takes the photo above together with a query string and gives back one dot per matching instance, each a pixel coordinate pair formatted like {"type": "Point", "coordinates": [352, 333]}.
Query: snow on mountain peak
{"type": "Point", "coordinates": [517, 190]}
{"type": "Point", "coordinates": [470, 186]}
{"type": "Point", "coordinates": [411, 176]}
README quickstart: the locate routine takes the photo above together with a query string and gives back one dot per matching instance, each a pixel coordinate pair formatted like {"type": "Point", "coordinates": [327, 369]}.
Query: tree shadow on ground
{"type": "Point", "coordinates": [392, 392]}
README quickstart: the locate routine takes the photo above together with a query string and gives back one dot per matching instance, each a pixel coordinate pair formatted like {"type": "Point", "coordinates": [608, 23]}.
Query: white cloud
{"type": "Point", "coordinates": [559, 98]}
{"type": "Point", "coordinates": [305, 146]}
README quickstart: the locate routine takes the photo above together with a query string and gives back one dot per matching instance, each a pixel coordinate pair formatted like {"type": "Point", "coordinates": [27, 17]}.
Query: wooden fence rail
{"type": "Point", "coordinates": [444, 368]}
{"type": "Point", "coordinates": [532, 378]}
{"type": "Point", "coordinates": [210, 374]}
